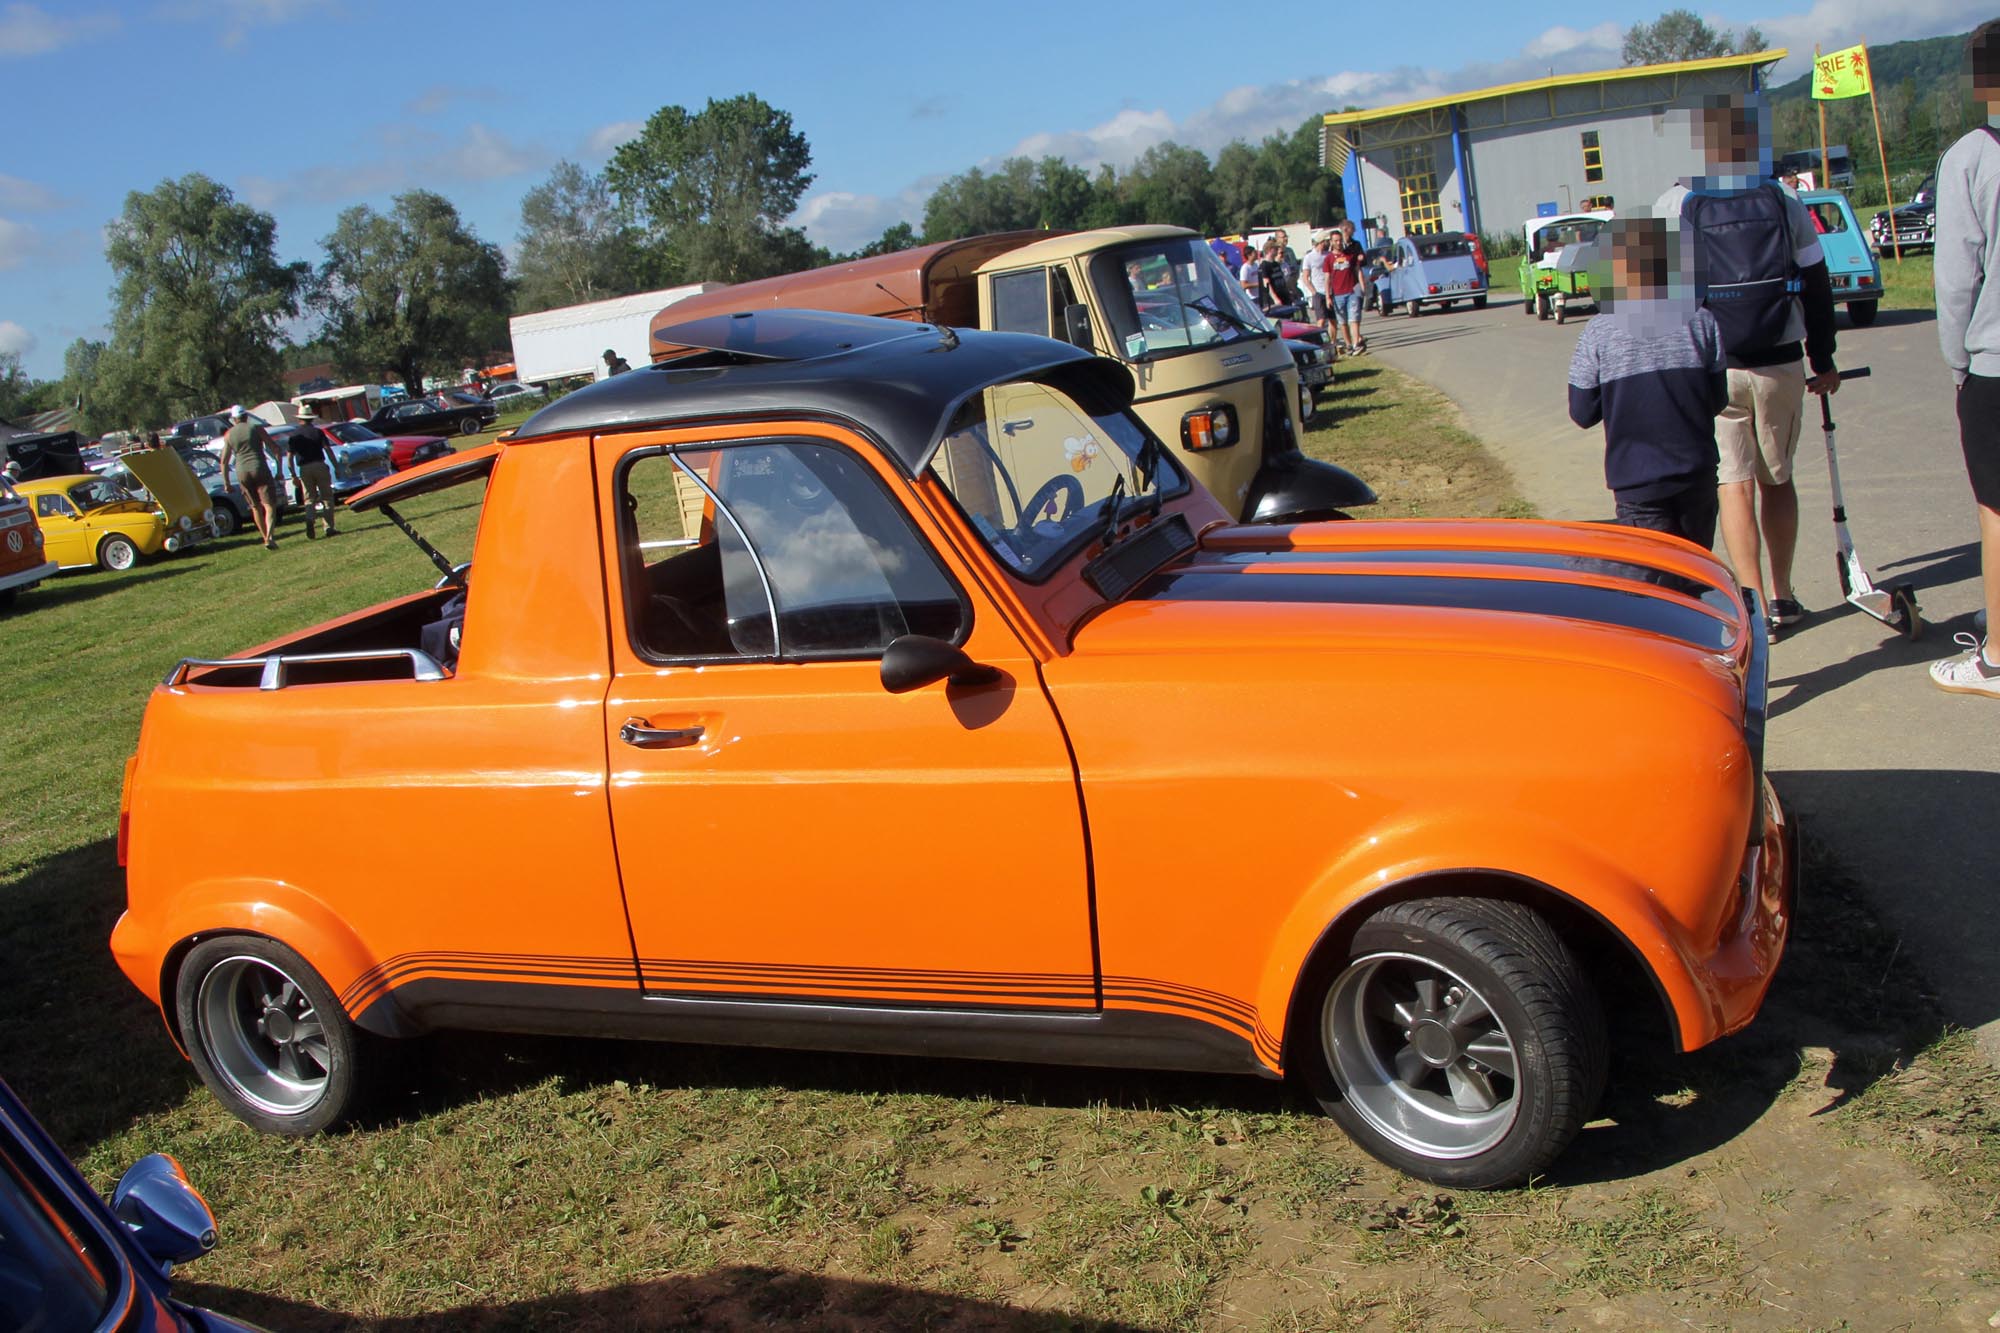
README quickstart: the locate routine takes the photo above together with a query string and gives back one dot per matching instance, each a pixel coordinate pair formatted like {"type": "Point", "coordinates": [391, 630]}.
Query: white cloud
{"type": "Point", "coordinates": [15, 339]}
{"type": "Point", "coordinates": [1119, 139]}
{"type": "Point", "coordinates": [237, 17]}
{"type": "Point", "coordinates": [26, 30]}
{"type": "Point", "coordinates": [23, 196]}
{"type": "Point", "coordinates": [412, 157]}
{"type": "Point", "coordinates": [1607, 38]}
{"type": "Point", "coordinates": [17, 243]}
{"type": "Point", "coordinates": [600, 141]}
{"type": "Point", "coordinates": [433, 100]}
{"type": "Point", "coordinates": [1835, 24]}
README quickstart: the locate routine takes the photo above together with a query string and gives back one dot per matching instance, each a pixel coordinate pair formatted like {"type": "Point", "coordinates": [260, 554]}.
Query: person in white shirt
{"type": "Point", "coordinates": [1312, 282]}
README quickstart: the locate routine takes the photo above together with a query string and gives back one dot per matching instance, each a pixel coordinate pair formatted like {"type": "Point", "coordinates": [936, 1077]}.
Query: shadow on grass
{"type": "Point", "coordinates": [84, 1049]}
{"type": "Point", "coordinates": [69, 589]}
{"type": "Point", "coordinates": [730, 1298]}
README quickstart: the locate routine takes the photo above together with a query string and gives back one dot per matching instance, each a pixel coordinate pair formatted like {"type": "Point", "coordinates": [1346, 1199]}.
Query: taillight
{"type": "Point", "coordinates": [125, 810]}
{"type": "Point", "coordinates": [1435, 289]}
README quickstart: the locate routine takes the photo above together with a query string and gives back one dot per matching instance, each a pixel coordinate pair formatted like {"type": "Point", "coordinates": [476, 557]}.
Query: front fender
{"type": "Point", "coordinates": [1391, 866]}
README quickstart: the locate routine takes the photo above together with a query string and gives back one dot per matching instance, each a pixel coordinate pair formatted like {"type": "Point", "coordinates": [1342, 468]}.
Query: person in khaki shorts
{"type": "Point", "coordinates": [1758, 432]}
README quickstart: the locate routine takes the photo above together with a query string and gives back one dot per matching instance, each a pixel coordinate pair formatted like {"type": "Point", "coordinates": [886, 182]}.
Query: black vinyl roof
{"type": "Point", "coordinates": [900, 382]}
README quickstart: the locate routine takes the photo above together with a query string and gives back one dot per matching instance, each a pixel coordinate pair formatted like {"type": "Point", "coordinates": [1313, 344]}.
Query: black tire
{"type": "Point", "coordinates": [1508, 989]}
{"type": "Point", "coordinates": [1414, 308]}
{"type": "Point", "coordinates": [1478, 303]}
{"type": "Point", "coordinates": [7, 596]}
{"type": "Point", "coordinates": [225, 524]}
{"type": "Point", "coordinates": [469, 425]}
{"type": "Point", "coordinates": [296, 1079]}
{"type": "Point", "coordinates": [1544, 306]}
{"type": "Point", "coordinates": [1308, 404]}
{"type": "Point", "coordinates": [1905, 602]}
{"type": "Point", "coordinates": [117, 553]}
{"type": "Point", "coordinates": [1862, 312]}
{"type": "Point", "coordinates": [1562, 312]}
{"type": "Point", "coordinates": [1528, 306]}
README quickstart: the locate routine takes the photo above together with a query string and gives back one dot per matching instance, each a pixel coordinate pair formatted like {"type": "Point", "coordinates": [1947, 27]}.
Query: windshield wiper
{"type": "Point", "coordinates": [1110, 528]}
{"type": "Point", "coordinates": [1240, 325]}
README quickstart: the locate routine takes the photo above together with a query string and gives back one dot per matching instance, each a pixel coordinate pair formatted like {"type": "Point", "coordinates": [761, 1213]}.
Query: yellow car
{"type": "Point", "coordinates": [88, 521]}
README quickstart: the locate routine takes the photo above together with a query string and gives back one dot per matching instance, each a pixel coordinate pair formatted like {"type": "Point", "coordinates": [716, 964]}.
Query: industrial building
{"type": "Point", "coordinates": [1487, 160]}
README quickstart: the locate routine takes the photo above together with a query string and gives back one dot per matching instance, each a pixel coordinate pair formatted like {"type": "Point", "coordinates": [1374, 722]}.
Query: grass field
{"type": "Point", "coordinates": [1831, 1167]}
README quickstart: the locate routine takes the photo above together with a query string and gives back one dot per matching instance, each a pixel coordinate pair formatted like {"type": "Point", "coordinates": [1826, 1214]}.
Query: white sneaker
{"type": "Point", "coordinates": [1967, 673]}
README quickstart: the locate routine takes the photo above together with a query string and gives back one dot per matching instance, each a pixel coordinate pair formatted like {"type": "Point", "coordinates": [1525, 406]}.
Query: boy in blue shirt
{"type": "Point", "coordinates": [1651, 367]}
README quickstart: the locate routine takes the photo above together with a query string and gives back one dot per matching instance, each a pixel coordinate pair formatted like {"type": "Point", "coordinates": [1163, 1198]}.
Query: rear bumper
{"type": "Point", "coordinates": [27, 578]}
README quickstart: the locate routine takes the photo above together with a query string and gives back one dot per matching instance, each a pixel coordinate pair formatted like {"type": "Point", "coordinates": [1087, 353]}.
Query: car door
{"type": "Point", "coordinates": [64, 535]}
{"type": "Point", "coordinates": [787, 828]}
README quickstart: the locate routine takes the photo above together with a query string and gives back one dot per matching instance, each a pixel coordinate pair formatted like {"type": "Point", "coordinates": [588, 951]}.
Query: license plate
{"type": "Point", "coordinates": [1460, 286]}
{"type": "Point", "coordinates": [1313, 375]}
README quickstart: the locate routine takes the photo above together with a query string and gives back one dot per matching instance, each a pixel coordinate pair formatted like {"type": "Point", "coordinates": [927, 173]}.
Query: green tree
{"type": "Point", "coordinates": [1681, 34]}
{"type": "Point", "coordinates": [412, 292]}
{"type": "Point", "coordinates": [1173, 184]}
{"type": "Point", "coordinates": [575, 243]}
{"type": "Point", "coordinates": [197, 302]}
{"type": "Point", "coordinates": [18, 391]}
{"type": "Point", "coordinates": [976, 202]}
{"type": "Point", "coordinates": [711, 190]}
{"type": "Point", "coordinates": [896, 236]}
{"type": "Point", "coordinates": [1064, 193]}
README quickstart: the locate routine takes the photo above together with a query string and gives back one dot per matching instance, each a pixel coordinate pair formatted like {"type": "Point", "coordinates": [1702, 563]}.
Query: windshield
{"type": "Point", "coordinates": [88, 495]}
{"type": "Point", "coordinates": [351, 432]}
{"type": "Point", "coordinates": [1170, 296]}
{"type": "Point", "coordinates": [1034, 470]}
{"type": "Point", "coordinates": [1576, 231]}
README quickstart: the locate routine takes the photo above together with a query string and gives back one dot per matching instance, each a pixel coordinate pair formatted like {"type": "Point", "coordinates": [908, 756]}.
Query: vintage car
{"type": "Point", "coordinates": [873, 686]}
{"type": "Point", "coordinates": [1549, 288]}
{"type": "Point", "coordinates": [1154, 297]}
{"type": "Point", "coordinates": [87, 520]}
{"type": "Point", "coordinates": [1436, 269]}
{"type": "Point", "coordinates": [1914, 223]}
{"type": "Point", "coordinates": [23, 562]}
{"type": "Point", "coordinates": [67, 1261]}
{"type": "Point", "coordinates": [450, 413]}
{"type": "Point", "coordinates": [405, 451]}
{"type": "Point", "coordinates": [1851, 264]}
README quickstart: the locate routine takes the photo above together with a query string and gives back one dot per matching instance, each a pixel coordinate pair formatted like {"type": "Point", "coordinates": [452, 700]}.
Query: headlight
{"type": "Point", "coordinates": [1930, 219]}
{"type": "Point", "coordinates": [208, 516]}
{"type": "Point", "coordinates": [187, 523]}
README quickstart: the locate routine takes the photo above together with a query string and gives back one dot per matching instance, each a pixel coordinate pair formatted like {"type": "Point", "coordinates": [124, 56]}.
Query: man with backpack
{"type": "Point", "coordinates": [1759, 270]}
{"type": "Point", "coordinates": [1968, 320]}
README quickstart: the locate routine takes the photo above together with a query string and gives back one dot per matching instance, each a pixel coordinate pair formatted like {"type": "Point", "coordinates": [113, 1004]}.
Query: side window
{"type": "Point", "coordinates": [53, 506]}
{"type": "Point", "coordinates": [784, 550]}
{"type": "Point", "coordinates": [1021, 302]}
{"type": "Point", "coordinates": [1062, 295]}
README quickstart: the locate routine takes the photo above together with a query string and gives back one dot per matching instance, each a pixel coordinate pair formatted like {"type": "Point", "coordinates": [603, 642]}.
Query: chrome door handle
{"type": "Point", "coordinates": [636, 732]}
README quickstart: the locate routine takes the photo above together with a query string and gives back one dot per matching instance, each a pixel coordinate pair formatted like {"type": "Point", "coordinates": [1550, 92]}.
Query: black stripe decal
{"type": "Point", "coordinates": [1556, 560]}
{"type": "Point", "coordinates": [1567, 601]}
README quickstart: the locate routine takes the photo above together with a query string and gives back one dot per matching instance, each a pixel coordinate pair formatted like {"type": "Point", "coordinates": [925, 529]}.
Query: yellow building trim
{"type": "Point", "coordinates": [1334, 118]}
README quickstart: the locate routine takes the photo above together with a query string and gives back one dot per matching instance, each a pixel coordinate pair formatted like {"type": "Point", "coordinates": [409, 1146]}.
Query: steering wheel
{"type": "Point", "coordinates": [1062, 485]}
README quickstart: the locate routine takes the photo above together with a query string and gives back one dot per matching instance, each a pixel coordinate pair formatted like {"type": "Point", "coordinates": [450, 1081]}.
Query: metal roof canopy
{"type": "Point", "coordinates": [900, 383]}
{"type": "Point", "coordinates": [1552, 98]}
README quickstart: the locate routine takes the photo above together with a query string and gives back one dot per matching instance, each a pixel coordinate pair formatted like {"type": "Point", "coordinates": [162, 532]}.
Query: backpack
{"type": "Point", "coordinates": [1747, 275]}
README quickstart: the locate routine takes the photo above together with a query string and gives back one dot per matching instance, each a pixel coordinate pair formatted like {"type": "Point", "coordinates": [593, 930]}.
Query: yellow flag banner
{"type": "Point", "coordinates": [1840, 74]}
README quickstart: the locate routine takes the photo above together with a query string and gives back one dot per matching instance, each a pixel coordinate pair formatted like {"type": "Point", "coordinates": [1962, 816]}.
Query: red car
{"type": "Point", "coordinates": [404, 450]}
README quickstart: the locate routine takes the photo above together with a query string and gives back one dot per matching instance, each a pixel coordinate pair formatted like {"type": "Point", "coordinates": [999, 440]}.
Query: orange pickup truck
{"type": "Point", "coordinates": [953, 718]}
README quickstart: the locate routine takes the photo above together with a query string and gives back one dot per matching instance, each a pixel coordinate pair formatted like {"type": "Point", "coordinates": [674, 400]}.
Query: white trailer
{"type": "Point", "coordinates": [563, 344]}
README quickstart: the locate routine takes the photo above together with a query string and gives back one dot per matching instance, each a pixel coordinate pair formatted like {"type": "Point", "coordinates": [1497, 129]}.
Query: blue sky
{"type": "Point", "coordinates": [304, 107]}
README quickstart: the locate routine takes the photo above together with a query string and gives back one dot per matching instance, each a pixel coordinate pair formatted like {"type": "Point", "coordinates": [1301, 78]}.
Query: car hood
{"type": "Point", "coordinates": [170, 481]}
{"type": "Point", "coordinates": [1569, 591]}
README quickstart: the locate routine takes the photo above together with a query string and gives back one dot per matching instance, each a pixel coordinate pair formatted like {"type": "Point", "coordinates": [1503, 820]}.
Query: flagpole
{"type": "Point", "coordinates": [1881, 154]}
{"type": "Point", "coordinates": [1825, 169]}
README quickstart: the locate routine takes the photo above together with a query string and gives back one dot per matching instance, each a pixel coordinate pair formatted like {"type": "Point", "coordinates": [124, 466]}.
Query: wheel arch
{"type": "Point", "coordinates": [285, 916]}
{"type": "Point", "coordinates": [1611, 958]}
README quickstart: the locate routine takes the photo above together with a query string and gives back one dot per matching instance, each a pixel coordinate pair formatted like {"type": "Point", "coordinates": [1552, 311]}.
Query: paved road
{"type": "Point", "coordinates": [1900, 779]}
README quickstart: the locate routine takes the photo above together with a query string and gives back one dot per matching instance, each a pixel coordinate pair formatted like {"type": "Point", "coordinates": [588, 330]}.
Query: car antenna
{"type": "Point", "coordinates": [903, 307]}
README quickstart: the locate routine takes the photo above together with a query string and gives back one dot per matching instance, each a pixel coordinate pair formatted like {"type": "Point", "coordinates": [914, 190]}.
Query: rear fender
{"type": "Point", "coordinates": [277, 911]}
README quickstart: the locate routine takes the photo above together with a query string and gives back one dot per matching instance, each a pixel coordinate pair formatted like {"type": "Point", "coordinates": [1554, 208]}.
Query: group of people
{"type": "Point", "coordinates": [1699, 364]}
{"type": "Point", "coordinates": [1330, 283]}
{"type": "Point", "coordinates": [248, 452]}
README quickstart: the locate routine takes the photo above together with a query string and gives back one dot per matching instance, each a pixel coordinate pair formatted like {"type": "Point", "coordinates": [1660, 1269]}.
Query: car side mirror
{"type": "Point", "coordinates": [1076, 327]}
{"type": "Point", "coordinates": [916, 660]}
{"type": "Point", "coordinates": [166, 1216]}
